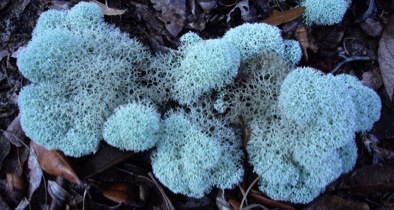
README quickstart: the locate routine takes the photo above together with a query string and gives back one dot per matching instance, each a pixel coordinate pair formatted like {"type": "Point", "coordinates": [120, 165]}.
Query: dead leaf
{"type": "Point", "coordinates": [54, 163]}
{"type": "Point", "coordinates": [15, 160]}
{"type": "Point", "coordinates": [15, 134]}
{"type": "Point", "coordinates": [379, 150]}
{"type": "Point", "coordinates": [60, 197]}
{"type": "Point", "coordinates": [371, 179]}
{"type": "Point", "coordinates": [336, 202]}
{"type": "Point", "coordinates": [16, 186]}
{"type": "Point", "coordinates": [234, 204]}
{"type": "Point", "coordinates": [4, 149]}
{"type": "Point", "coordinates": [106, 157]}
{"type": "Point", "coordinates": [109, 11]}
{"type": "Point", "coordinates": [172, 13]}
{"type": "Point", "coordinates": [386, 57]}
{"type": "Point", "coordinates": [372, 27]}
{"type": "Point", "coordinates": [302, 37]}
{"type": "Point", "coordinates": [372, 79]}
{"type": "Point", "coordinates": [35, 173]}
{"type": "Point", "coordinates": [125, 193]}
{"type": "Point", "coordinates": [278, 17]}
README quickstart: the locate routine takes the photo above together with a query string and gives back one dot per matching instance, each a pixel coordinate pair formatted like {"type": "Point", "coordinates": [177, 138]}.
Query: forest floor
{"type": "Point", "coordinates": [361, 45]}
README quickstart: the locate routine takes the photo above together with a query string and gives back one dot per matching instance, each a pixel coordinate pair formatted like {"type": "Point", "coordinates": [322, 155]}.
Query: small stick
{"type": "Point", "coordinates": [349, 59]}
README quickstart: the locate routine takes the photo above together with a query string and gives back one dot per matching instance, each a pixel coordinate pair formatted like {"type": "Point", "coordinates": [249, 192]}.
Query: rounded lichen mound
{"type": "Point", "coordinates": [293, 52]}
{"type": "Point", "coordinates": [309, 140]}
{"type": "Point", "coordinates": [254, 39]}
{"type": "Point", "coordinates": [366, 101]}
{"type": "Point", "coordinates": [190, 161]}
{"type": "Point", "coordinates": [324, 12]}
{"type": "Point", "coordinates": [82, 69]}
{"type": "Point", "coordinates": [134, 127]}
{"type": "Point", "coordinates": [207, 65]}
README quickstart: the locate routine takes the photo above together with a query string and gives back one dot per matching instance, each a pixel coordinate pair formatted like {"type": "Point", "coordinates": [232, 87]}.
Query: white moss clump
{"type": "Point", "coordinates": [324, 12]}
{"type": "Point", "coordinates": [133, 126]}
{"type": "Point", "coordinates": [311, 134]}
{"type": "Point", "coordinates": [254, 39]}
{"type": "Point", "coordinates": [207, 65]}
{"type": "Point", "coordinates": [293, 52]}
{"type": "Point", "coordinates": [190, 160]}
{"type": "Point", "coordinates": [83, 69]}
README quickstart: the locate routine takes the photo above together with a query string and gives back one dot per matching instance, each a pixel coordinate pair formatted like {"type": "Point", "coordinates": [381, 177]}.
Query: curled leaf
{"type": "Point", "coordinates": [60, 196]}
{"type": "Point", "coordinates": [278, 17]}
{"type": "Point", "coordinates": [386, 57]}
{"type": "Point", "coordinates": [35, 173]}
{"type": "Point", "coordinates": [55, 163]}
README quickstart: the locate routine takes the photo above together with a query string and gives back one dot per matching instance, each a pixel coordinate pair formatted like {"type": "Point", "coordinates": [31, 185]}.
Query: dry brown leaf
{"type": "Point", "coordinates": [234, 204]}
{"type": "Point", "coordinates": [54, 163]}
{"type": "Point", "coordinates": [109, 11]}
{"type": "Point", "coordinates": [386, 57]}
{"type": "Point", "coordinates": [278, 17]}
{"type": "Point", "coordinates": [16, 186]}
{"type": "Point", "coordinates": [302, 37]}
{"type": "Point", "coordinates": [126, 193]}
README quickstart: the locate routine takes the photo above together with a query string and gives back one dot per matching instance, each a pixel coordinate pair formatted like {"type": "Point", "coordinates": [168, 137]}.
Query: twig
{"type": "Point", "coordinates": [167, 201]}
{"type": "Point", "coordinates": [371, 9]}
{"type": "Point", "coordinates": [251, 185]}
{"type": "Point", "coordinates": [350, 59]}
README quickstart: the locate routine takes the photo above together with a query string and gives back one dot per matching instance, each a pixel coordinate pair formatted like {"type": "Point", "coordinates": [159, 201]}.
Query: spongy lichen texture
{"type": "Point", "coordinates": [302, 125]}
{"type": "Point", "coordinates": [256, 89]}
{"type": "Point", "coordinates": [293, 52]}
{"type": "Point", "coordinates": [190, 160]}
{"type": "Point", "coordinates": [201, 67]}
{"type": "Point", "coordinates": [134, 126]}
{"type": "Point", "coordinates": [324, 12]}
{"type": "Point", "coordinates": [207, 65]}
{"type": "Point", "coordinates": [310, 141]}
{"type": "Point", "coordinates": [253, 39]}
{"type": "Point", "coordinates": [82, 69]}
